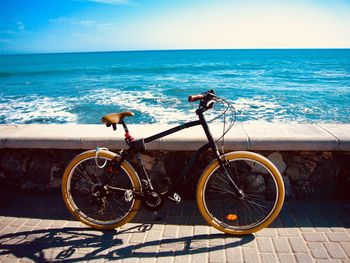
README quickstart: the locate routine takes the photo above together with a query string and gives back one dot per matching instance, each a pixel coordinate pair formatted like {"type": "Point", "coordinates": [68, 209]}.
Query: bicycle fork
{"type": "Point", "coordinates": [223, 163]}
{"type": "Point", "coordinates": [236, 190]}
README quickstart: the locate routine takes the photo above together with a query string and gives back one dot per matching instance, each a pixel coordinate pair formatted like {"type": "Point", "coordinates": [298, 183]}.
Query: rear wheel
{"type": "Point", "coordinates": [100, 207]}
{"type": "Point", "coordinates": [261, 185]}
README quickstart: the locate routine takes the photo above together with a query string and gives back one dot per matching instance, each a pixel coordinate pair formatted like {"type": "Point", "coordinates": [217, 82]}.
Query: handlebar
{"type": "Point", "coordinates": [194, 98]}
{"type": "Point", "coordinates": [208, 95]}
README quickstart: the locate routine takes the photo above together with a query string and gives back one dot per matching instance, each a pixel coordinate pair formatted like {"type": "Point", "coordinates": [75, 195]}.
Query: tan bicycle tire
{"type": "Point", "coordinates": [125, 166]}
{"type": "Point", "coordinates": [212, 168]}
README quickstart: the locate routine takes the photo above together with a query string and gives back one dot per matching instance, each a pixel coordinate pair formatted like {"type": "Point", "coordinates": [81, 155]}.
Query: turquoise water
{"type": "Point", "coordinates": [283, 86]}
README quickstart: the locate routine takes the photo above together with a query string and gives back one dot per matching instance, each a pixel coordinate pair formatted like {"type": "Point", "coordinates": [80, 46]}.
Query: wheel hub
{"type": "Point", "coordinates": [100, 191]}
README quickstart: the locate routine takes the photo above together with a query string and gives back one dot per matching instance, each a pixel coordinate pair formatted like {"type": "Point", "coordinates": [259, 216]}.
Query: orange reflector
{"type": "Point", "coordinates": [231, 217]}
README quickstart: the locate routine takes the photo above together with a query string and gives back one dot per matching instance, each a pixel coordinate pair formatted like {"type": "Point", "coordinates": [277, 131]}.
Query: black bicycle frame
{"type": "Point", "coordinates": [211, 144]}
{"type": "Point", "coordinates": [137, 146]}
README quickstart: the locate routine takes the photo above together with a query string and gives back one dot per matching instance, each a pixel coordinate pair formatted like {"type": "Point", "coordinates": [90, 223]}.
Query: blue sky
{"type": "Point", "coordinates": [28, 26]}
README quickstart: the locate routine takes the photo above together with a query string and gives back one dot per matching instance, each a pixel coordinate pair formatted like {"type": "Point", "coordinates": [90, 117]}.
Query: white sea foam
{"type": "Point", "coordinates": [260, 108]}
{"type": "Point", "coordinates": [160, 108]}
{"type": "Point", "coordinates": [35, 109]}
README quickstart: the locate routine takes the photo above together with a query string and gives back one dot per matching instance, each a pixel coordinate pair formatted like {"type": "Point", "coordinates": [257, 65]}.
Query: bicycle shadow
{"type": "Point", "coordinates": [78, 244]}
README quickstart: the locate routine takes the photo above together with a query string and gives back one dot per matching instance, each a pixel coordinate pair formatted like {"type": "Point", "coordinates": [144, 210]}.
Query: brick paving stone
{"type": "Point", "coordinates": [166, 259]}
{"type": "Point", "coordinates": [304, 258]}
{"type": "Point", "coordinates": [3, 225]}
{"type": "Point", "coordinates": [201, 230]}
{"type": "Point", "coordinates": [49, 224]}
{"type": "Point", "coordinates": [24, 229]}
{"type": "Point", "coordinates": [313, 237]}
{"type": "Point", "coordinates": [10, 259]}
{"type": "Point", "coordinates": [217, 241]}
{"type": "Point", "coordinates": [286, 258]}
{"type": "Point", "coordinates": [59, 223]}
{"type": "Point", "coordinates": [250, 243]}
{"type": "Point", "coordinates": [268, 258]}
{"type": "Point", "coordinates": [68, 224]}
{"type": "Point", "coordinates": [148, 259]}
{"type": "Point", "coordinates": [339, 237]}
{"type": "Point", "coordinates": [317, 250]}
{"type": "Point", "coordinates": [214, 231]}
{"type": "Point", "coordinates": [186, 231]}
{"type": "Point", "coordinates": [8, 219]}
{"type": "Point", "coordinates": [250, 255]}
{"type": "Point", "coordinates": [335, 250]}
{"type": "Point", "coordinates": [130, 260]}
{"type": "Point", "coordinates": [8, 230]}
{"type": "Point", "coordinates": [154, 236]}
{"type": "Point", "coordinates": [174, 245]}
{"type": "Point", "coordinates": [199, 257]}
{"type": "Point", "coordinates": [266, 232]}
{"type": "Point", "coordinates": [338, 229]}
{"type": "Point", "coordinates": [217, 255]}
{"type": "Point", "coordinates": [233, 254]}
{"type": "Point", "coordinates": [281, 245]}
{"type": "Point", "coordinates": [31, 222]}
{"type": "Point", "coordinates": [18, 222]}
{"type": "Point", "coordinates": [328, 261]}
{"type": "Point", "coordinates": [199, 244]}
{"type": "Point", "coordinates": [288, 232]}
{"type": "Point", "coordinates": [265, 245]}
{"type": "Point", "coordinates": [298, 245]}
{"type": "Point", "coordinates": [186, 258]}
{"type": "Point", "coordinates": [138, 237]}
{"type": "Point", "coordinates": [306, 229]}
{"type": "Point", "coordinates": [346, 247]}
{"type": "Point", "coordinates": [170, 231]}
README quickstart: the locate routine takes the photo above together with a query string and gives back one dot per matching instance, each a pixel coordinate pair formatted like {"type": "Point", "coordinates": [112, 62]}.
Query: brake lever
{"type": "Point", "coordinates": [210, 104]}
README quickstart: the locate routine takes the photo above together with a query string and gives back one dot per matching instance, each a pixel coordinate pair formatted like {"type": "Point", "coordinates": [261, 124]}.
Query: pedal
{"type": "Point", "coordinates": [176, 198]}
{"type": "Point", "coordinates": [128, 196]}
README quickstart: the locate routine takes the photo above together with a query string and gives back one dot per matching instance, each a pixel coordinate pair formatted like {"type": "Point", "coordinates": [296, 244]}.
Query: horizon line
{"type": "Point", "coordinates": [160, 50]}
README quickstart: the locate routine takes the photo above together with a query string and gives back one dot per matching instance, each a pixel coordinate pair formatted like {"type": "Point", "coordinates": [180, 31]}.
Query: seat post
{"type": "Point", "coordinates": [128, 137]}
{"type": "Point", "coordinates": [124, 126]}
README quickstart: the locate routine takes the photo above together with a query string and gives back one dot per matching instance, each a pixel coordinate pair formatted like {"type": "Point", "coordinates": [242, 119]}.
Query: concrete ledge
{"type": "Point", "coordinates": [280, 137]}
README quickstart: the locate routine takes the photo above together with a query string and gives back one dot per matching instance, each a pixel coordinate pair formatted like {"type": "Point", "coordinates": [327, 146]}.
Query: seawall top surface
{"type": "Point", "coordinates": [262, 136]}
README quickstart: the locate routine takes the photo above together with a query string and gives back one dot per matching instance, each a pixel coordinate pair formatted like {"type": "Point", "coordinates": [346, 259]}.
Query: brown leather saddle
{"type": "Point", "coordinates": [113, 119]}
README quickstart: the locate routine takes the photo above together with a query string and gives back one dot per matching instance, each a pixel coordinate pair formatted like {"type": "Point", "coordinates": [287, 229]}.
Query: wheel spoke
{"type": "Point", "coordinates": [104, 209]}
{"type": "Point", "coordinates": [259, 189]}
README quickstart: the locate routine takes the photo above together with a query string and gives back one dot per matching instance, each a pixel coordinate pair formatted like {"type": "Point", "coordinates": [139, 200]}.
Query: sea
{"type": "Point", "coordinates": [264, 85]}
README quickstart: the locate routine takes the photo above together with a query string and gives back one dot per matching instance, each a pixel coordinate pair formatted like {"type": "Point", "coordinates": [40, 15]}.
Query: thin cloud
{"type": "Point", "coordinates": [86, 22]}
{"type": "Point", "coordinates": [72, 21]}
{"type": "Point", "coordinates": [20, 26]}
{"type": "Point", "coordinates": [60, 20]}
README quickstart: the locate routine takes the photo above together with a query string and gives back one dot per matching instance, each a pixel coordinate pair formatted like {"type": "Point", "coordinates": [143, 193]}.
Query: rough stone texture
{"type": "Point", "coordinates": [307, 175]}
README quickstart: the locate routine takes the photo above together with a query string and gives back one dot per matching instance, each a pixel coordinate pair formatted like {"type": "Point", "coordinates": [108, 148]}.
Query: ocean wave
{"type": "Point", "coordinates": [35, 109]}
{"type": "Point", "coordinates": [156, 106]}
{"type": "Point", "coordinates": [119, 70]}
{"type": "Point", "coordinates": [4, 74]}
{"type": "Point", "coordinates": [167, 69]}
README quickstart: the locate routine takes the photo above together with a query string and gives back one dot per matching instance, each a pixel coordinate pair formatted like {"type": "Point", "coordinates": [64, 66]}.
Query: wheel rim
{"type": "Point", "coordinates": [260, 190]}
{"type": "Point", "coordinates": [108, 210]}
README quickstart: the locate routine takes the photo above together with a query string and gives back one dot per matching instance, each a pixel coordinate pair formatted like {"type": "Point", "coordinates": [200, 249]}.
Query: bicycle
{"type": "Point", "coordinates": [237, 193]}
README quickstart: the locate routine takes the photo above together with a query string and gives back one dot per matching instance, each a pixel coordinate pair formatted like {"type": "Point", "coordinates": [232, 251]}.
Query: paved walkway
{"type": "Point", "coordinates": [36, 228]}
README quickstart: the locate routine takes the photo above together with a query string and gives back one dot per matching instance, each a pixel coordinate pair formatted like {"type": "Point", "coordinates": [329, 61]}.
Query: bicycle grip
{"type": "Point", "coordinates": [194, 98]}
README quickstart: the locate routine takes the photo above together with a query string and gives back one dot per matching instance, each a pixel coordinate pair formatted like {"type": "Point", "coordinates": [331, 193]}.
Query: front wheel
{"type": "Point", "coordinates": [100, 207]}
{"type": "Point", "coordinates": [261, 187]}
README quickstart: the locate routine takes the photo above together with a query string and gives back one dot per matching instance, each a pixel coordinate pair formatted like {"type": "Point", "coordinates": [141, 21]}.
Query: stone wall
{"type": "Point", "coordinates": [308, 175]}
